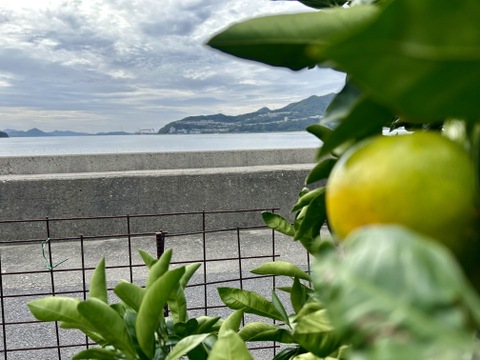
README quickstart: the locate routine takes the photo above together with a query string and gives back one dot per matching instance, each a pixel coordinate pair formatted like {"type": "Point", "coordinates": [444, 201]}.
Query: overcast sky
{"type": "Point", "coordinates": [106, 65]}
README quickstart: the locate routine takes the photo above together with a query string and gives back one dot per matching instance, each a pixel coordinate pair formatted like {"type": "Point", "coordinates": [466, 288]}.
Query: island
{"type": "Point", "coordinates": [293, 117]}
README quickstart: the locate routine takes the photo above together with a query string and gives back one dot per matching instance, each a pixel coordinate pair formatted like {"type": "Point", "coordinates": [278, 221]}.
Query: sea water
{"type": "Point", "coordinates": [95, 144]}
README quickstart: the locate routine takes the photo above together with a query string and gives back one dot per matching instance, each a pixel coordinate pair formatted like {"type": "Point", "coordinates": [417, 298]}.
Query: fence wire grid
{"type": "Point", "coordinates": [42, 257]}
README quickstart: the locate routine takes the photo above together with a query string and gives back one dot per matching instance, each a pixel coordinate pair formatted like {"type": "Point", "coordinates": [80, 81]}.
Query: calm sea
{"type": "Point", "coordinates": [57, 145]}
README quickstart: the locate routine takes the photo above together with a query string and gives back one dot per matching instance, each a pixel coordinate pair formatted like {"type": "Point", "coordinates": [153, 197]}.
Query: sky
{"type": "Point", "coordinates": [113, 65]}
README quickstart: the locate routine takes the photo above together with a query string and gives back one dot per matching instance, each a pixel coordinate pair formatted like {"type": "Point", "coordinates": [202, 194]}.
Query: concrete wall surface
{"type": "Point", "coordinates": [59, 164]}
{"type": "Point", "coordinates": [109, 193]}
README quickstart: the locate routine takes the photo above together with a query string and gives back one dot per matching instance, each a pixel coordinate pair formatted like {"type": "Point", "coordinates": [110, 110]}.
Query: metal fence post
{"type": "Point", "coordinates": [160, 242]}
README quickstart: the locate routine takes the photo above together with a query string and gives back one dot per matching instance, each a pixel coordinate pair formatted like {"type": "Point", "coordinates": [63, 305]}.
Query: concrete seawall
{"type": "Point", "coordinates": [113, 184]}
{"type": "Point", "coordinates": [61, 164]}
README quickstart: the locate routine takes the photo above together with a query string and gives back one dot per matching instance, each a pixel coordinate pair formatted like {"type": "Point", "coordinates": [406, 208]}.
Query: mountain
{"type": "Point", "coordinates": [38, 133]}
{"type": "Point", "coordinates": [293, 117]}
{"type": "Point", "coordinates": [3, 134]}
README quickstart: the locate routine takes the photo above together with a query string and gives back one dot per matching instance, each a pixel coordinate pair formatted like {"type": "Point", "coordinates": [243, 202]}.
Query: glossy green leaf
{"type": "Point", "coordinates": [475, 151]}
{"type": "Point", "coordinates": [159, 268]}
{"type": "Point", "coordinates": [338, 109]}
{"type": "Point", "coordinates": [88, 330]}
{"type": "Point", "coordinates": [278, 223]}
{"type": "Point", "coordinates": [310, 356]}
{"type": "Point", "coordinates": [298, 295]}
{"type": "Point", "coordinates": [208, 324]}
{"type": "Point", "coordinates": [421, 58]}
{"type": "Point", "coordinates": [230, 347]}
{"type": "Point", "coordinates": [280, 308]}
{"type": "Point", "coordinates": [260, 331]}
{"type": "Point", "coordinates": [320, 131]}
{"type": "Point", "coordinates": [314, 332]}
{"type": "Point", "coordinates": [150, 313]}
{"type": "Point", "coordinates": [295, 41]}
{"type": "Point", "coordinates": [281, 268]}
{"type": "Point", "coordinates": [308, 231]}
{"type": "Point", "coordinates": [232, 322]}
{"type": "Point", "coordinates": [287, 353]}
{"type": "Point", "coordinates": [130, 294]}
{"type": "Point", "coordinates": [56, 308]}
{"type": "Point", "coordinates": [177, 304]}
{"type": "Point", "coordinates": [98, 354]}
{"type": "Point", "coordinates": [321, 171]}
{"type": "Point", "coordinates": [98, 283]}
{"type": "Point", "coordinates": [148, 259]}
{"type": "Point", "coordinates": [392, 280]}
{"type": "Point", "coordinates": [186, 345]}
{"type": "Point", "coordinates": [322, 4]}
{"type": "Point", "coordinates": [307, 198]}
{"type": "Point", "coordinates": [189, 272]}
{"type": "Point", "coordinates": [130, 319]}
{"type": "Point", "coordinates": [107, 323]}
{"type": "Point", "coordinates": [182, 329]}
{"type": "Point", "coordinates": [248, 301]}
{"type": "Point", "coordinates": [362, 119]}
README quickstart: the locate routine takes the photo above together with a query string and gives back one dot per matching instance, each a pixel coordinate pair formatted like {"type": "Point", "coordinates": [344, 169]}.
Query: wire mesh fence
{"type": "Point", "coordinates": [42, 257]}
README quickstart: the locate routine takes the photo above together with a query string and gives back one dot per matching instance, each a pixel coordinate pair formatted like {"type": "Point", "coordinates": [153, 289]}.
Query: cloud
{"type": "Point", "coordinates": [134, 63]}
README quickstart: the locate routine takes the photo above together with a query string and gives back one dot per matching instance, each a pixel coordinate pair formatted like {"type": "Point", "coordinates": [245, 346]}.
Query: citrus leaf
{"type": "Point", "coordinates": [320, 131]}
{"type": "Point", "coordinates": [321, 171]}
{"type": "Point", "coordinates": [130, 319]}
{"type": "Point", "coordinates": [310, 356]}
{"type": "Point", "coordinates": [339, 108]}
{"type": "Point", "coordinates": [107, 323]}
{"type": "Point", "coordinates": [98, 283]}
{"type": "Point", "coordinates": [150, 314]}
{"type": "Point", "coordinates": [321, 4]}
{"type": "Point", "coordinates": [397, 281]}
{"type": "Point", "coordinates": [308, 231]}
{"type": "Point", "coordinates": [130, 294]}
{"type": "Point", "coordinates": [189, 272]}
{"type": "Point", "coordinates": [427, 50]}
{"type": "Point", "coordinates": [159, 268]}
{"type": "Point", "coordinates": [186, 345]}
{"type": "Point", "coordinates": [362, 119]}
{"type": "Point", "coordinates": [260, 331]}
{"type": "Point", "coordinates": [289, 354]}
{"type": "Point", "coordinates": [148, 259]}
{"type": "Point", "coordinates": [298, 295]}
{"type": "Point", "coordinates": [177, 304]}
{"type": "Point", "coordinates": [248, 301]}
{"type": "Point", "coordinates": [278, 223]}
{"type": "Point", "coordinates": [208, 324]}
{"type": "Point", "coordinates": [99, 354]}
{"type": "Point", "coordinates": [88, 330]}
{"type": "Point", "coordinates": [283, 268]}
{"type": "Point", "coordinates": [295, 41]}
{"type": "Point", "coordinates": [230, 347]}
{"type": "Point", "coordinates": [56, 308]}
{"type": "Point", "coordinates": [314, 332]}
{"type": "Point", "coordinates": [307, 198]}
{"type": "Point", "coordinates": [280, 308]}
{"type": "Point", "coordinates": [232, 322]}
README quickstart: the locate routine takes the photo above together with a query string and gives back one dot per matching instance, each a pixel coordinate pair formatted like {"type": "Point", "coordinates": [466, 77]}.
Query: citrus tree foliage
{"type": "Point", "coordinates": [136, 328]}
{"type": "Point", "coordinates": [391, 293]}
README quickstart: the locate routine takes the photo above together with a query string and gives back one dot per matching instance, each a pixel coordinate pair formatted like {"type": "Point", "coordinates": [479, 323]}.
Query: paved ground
{"type": "Point", "coordinates": [22, 274]}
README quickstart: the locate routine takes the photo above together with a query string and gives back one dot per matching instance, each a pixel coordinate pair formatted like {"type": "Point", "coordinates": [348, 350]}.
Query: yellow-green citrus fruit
{"type": "Point", "coordinates": [423, 181]}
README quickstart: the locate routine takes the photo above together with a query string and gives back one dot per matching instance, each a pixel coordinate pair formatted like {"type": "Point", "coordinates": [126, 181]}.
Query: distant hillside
{"type": "Point", "coordinates": [3, 134]}
{"type": "Point", "coordinates": [293, 117]}
{"type": "Point", "coordinates": [37, 133]}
